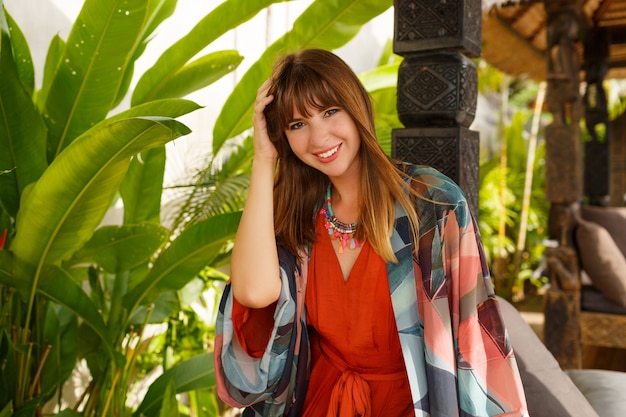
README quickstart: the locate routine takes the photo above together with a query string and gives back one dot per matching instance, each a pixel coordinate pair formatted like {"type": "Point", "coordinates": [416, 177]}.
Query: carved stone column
{"type": "Point", "coordinates": [438, 87]}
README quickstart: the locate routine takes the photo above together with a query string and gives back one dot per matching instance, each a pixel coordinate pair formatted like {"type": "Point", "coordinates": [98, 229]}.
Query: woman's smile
{"type": "Point", "coordinates": [326, 155]}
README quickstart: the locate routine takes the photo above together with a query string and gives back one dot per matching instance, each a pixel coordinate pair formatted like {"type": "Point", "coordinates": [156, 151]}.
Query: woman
{"type": "Point", "coordinates": [358, 284]}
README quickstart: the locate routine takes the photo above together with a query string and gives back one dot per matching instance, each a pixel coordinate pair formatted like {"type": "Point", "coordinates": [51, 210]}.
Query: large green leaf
{"type": "Point", "coordinates": [195, 248]}
{"type": "Point", "coordinates": [58, 286]}
{"type": "Point", "coordinates": [7, 411]}
{"type": "Point", "coordinates": [192, 374]}
{"type": "Point", "coordinates": [53, 57]}
{"type": "Point", "coordinates": [60, 330]}
{"type": "Point", "coordinates": [197, 74]}
{"type": "Point", "coordinates": [143, 184]}
{"type": "Point", "coordinates": [97, 53]}
{"type": "Point", "coordinates": [158, 11]}
{"type": "Point", "coordinates": [326, 24]}
{"type": "Point", "coordinates": [171, 107]}
{"type": "Point", "coordinates": [223, 18]}
{"type": "Point", "coordinates": [122, 248]}
{"type": "Point", "coordinates": [22, 131]}
{"type": "Point", "coordinates": [63, 208]}
{"type": "Point", "coordinates": [21, 52]}
{"type": "Point", "coordinates": [169, 404]}
{"type": "Point", "coordinates": [142, 187]}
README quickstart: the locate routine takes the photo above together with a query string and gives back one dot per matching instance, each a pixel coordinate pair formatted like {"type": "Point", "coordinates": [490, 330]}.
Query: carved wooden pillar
{"type": "Point", "coordinates": [564, 162]}
{"type": "Point", "coordinates": [438, 87]}
{"type": "Point", "coordinates": [597, 163]}
{"type": "Point", "coordinates": [564, 180]}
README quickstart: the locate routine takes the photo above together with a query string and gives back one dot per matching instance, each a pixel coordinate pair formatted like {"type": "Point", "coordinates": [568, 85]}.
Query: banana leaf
{"type": "Point", "coordinates": [7, 411]}
{"type": "Point", "coordinates": [223, 18]}
{"type": "Point", "coordinates": [158, 11]}
{"type": "Point", "coordinates": [169, 404]}
{"type": "Point", "coordinates": [22, 130]}
{"type": "Point", "coordinates": [180, 262]}
{"type": "Point", "coordinates": [60, 331]}
{"type": "Point", "coordinates": [58, 286]}
{"type": "Point", "coordinates": [53, 58]}
{"type": "Point", "coordinates": [142, 187]}
{"type": "Point", "coordinates": [121, 248]}
{"type": "Point", "coordinates": [326, 24]}
{"type": "Point", "coordinates": [192, 374]}
{"type": "Point", "coordinates": [197, 74]}
{"type": "Point", "coordinates": [21, 52]}
{"type": "Point", "coordinates": [54, 221]}
{"type": "Point", "coordinates": [97, 53]}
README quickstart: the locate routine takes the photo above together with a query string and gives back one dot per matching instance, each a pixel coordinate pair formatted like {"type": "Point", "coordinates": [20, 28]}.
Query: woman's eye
{"type": "Point", "coordinates": [330, 112]}
{"type": "Point", "coordinates": [296, 126]}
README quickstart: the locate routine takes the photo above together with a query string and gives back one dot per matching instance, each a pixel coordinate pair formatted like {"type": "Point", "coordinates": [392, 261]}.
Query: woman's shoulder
{"type": "Point", "coordinates": [432, 185]}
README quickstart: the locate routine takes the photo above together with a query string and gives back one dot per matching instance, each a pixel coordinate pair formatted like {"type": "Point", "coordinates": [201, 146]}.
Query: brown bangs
{"type": "Point", "coordinates": [303, 88]}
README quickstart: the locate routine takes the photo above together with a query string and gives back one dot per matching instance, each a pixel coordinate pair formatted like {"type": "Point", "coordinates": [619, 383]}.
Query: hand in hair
{"type": "Point", "coordinates": [263, 148]}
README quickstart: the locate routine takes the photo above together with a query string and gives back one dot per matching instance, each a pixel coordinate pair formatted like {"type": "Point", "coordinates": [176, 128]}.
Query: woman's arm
{"type": "Point", "coordinates": [255, 275]}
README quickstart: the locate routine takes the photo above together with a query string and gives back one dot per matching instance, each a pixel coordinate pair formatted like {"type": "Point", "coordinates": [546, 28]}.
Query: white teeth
{"type": "Point", "coordinates": [329, 153]}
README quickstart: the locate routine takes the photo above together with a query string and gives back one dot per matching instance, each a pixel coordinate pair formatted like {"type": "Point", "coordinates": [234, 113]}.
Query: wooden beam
{"type": "Point", "coordinates": [604, 6]}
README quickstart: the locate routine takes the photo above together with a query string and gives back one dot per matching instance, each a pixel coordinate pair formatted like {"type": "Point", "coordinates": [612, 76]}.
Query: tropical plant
{"type": "Point", "coordinates": [512, 207]}
{"type": "Point", "coordinates": [72, 289]}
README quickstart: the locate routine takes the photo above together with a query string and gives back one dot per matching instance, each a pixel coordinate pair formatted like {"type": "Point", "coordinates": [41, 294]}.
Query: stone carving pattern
{"type": "Point", "coordinates": [440, 87]}
{"type": "Point", "coordinates": [427, 19]}
{"type": "Point", "coordinates": [437, 152]}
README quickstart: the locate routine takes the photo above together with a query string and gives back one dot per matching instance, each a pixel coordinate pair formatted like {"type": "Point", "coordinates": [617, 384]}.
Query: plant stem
{"type": "Point", "coordinates": [111, 392]}
{"type": "Point", "coordinates": [33, 385]}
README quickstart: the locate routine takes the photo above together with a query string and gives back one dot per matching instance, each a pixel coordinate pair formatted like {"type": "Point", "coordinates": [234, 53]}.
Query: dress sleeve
{"type": "Point", "coordinates": [253, 327]}
{"type": "Point", "coordinates": [249, 370]}
{"type": "Point", "coordinates": [468, 352]}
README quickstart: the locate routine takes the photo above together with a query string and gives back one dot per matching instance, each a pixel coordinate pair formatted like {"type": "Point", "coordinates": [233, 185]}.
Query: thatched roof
{"type": "Point", "coordinates": [514, 34]}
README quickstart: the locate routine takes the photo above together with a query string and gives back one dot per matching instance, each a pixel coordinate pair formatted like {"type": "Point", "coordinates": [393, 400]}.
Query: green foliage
{"type": "Point", "coordinates": [66, 165]}
{"type": "Point", "coordinates": [75, 290]}
{"type": "Point", "coordinates": [502, 193]}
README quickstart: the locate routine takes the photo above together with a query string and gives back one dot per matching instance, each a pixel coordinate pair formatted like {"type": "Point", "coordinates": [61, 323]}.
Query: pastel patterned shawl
{"type": "Point", "coordinates": [455, 346]}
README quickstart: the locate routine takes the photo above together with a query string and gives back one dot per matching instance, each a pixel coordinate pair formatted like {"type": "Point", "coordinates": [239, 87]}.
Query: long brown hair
{"type": "Point", "coordinates": [319, 79]}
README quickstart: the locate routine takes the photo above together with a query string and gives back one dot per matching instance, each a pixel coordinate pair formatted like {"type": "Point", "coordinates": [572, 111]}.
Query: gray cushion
{"type": "Point", "coordinates": [593, 300]}
{"type": "Point", "coordinates": [613, 219]}
{"type": "Point", "coordinates": [605, 390]}
{"type": "Point", "coordinates": [549, 391]}
{"type": "Point", "coordinates": [602, 260]}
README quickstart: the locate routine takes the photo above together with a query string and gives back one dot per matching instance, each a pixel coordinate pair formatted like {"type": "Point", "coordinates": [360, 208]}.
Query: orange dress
{"type": "Point", "coordinates": [357, 368]}
{"type": "Point", "coordinates": [356, 357]}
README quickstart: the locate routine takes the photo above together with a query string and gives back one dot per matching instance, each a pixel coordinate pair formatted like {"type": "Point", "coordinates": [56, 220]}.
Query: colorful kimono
{"type": "Point", "coordinates": [455, 347]}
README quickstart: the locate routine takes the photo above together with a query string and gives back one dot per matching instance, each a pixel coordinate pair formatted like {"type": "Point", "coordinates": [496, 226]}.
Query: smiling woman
{"type": "Point", "coordinates": [356, 264]}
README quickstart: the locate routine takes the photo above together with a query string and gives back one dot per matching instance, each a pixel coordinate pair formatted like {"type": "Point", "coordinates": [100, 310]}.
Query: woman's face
{"type": "Point", "coordinates": [328, 141]}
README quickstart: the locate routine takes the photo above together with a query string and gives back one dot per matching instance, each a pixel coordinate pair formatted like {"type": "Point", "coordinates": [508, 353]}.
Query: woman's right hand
{"type": "Point", "coordinates": [263, 147]}
{"type": "Point", "coordinates": [254, 267]}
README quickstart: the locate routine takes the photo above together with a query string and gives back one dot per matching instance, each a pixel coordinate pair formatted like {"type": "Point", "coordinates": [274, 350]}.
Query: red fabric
{"type": "Point", "coordinates": [253, 327]}
{"type": "Point", "coordinates": [357, 364]}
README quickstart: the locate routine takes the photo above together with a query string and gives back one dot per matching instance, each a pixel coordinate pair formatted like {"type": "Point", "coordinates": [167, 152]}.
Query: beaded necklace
{"type": "Point", "coordinates": [336, 228]}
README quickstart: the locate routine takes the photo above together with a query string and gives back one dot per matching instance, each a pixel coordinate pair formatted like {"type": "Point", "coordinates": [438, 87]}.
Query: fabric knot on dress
{"type": "Point", "coordinates": [351, 397]}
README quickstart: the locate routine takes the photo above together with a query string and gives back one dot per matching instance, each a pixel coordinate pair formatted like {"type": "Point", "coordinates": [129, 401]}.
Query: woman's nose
{"type": "Point", "coordinates": [318, 135]}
